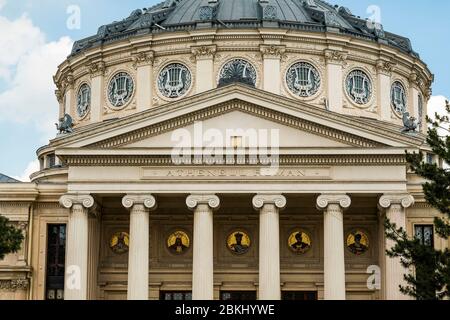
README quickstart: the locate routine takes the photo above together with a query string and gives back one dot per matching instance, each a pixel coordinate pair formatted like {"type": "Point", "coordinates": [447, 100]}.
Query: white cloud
{"type": "Point", "coordinates": [436, 104]}
{"type": "Point", "coordinates": [31, 168]}
{"type": "Point", "coordinates": [29, 64]}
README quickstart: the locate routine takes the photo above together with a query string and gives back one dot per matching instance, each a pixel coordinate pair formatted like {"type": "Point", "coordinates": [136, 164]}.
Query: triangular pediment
{"type": "Point", "coordinates": [238, 107]}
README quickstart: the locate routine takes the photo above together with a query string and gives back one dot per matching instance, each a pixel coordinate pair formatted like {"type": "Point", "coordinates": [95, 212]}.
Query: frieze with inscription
{"type": "Point", "coordinates": [234, 173]}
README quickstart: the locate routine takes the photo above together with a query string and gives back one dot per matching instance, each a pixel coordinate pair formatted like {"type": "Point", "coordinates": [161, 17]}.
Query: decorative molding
{"type": "Point", "coordinates": [211, 200]}
{"type": "Point", "coordinates": [385, 67]}
{"type": "Point", "coordinates": [97, 69]}
{"type": "Point", "coordinates": [261, 200]}
{"type": "Point", "coordinates": [147, 200]}
{"type": "Point", "coordinates": [142, 160]}
{"type": "Point", "coordinates": [203, 52]}
{"type": "Point", "coordinates": [143, 59]}
{"type": "Point", "coordinates": [230, 106]}
{"type": "Point", "coordinates": [387, 200]}
{"type": "Point", "coordinates": [14, 284]}
{"type": "Point", "coordinates": [324, 200]}
{"type": "Point", "coordinates": [273, 52]}
{"type": "Point", "coordinates": [336, 57]}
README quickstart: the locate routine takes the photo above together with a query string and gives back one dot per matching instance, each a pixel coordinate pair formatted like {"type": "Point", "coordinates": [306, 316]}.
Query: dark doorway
{"type": "Point", "coordinates": [238, 295]}
{"type": "Point", "coordinates": [56, 260]}
{"type": "Point", "coordinates": [299, 295]}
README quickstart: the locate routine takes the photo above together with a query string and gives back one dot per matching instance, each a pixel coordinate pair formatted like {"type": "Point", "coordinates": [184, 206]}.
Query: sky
{"type": "Point", "coordinates": [37, 35]}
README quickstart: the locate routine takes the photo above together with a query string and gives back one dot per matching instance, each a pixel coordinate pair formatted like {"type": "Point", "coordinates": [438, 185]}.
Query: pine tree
{"type": "Point", "coordinates": [430, 269]}
{"type": "Point", "coordinates": [10, 238]}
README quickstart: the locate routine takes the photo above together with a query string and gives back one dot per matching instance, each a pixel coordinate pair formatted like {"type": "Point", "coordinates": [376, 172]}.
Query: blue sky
{"type": "Point", "coordinates": [28, 108]}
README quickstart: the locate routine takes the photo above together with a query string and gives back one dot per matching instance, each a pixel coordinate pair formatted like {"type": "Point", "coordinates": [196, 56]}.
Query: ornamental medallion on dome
{"type": "Point", "coordinates": [83, 100]}
{"type": "Point", "coordinates": [174, 80]}
{"type": "Point", "coordinates": [359, 87]}
{"type": "Point", "coordinates": [398, 98]}
{"type": "Point", "coordinates": [238, 70]}
{"type": "Point", "coordinates": [303, 79]}
{"type": "Point", "coordinates": [120, 89]}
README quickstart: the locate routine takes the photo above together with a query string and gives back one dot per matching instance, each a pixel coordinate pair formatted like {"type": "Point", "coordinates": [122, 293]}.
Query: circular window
{"type": "Point", "coordinates": [237, 70]}
{"type": "Point", "coordinates": [83, 100]}
{"type": "Point", "coordinates": [120, 89]}
{"type": "Point", "coordinates": [174, 80]}
{"type": "Point", "coordinates": [303, 79]}
{"type": "Point", "coordinates": [398, 98]}
{"type": "Point", "coordinates": [359, 87]}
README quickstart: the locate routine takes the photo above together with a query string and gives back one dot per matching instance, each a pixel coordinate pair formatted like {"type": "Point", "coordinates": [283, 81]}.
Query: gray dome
{"type": "Point", "coordinates": [179, 15]}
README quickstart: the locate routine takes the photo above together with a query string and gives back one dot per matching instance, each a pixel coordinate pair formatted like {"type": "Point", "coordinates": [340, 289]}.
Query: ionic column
{"type": "Point", "coordinates": [334, 61]}
{"type": "Point", "coordinates": [138, 255]}
{"type": "Point", "coordinates": [204, 57]}
{"type": "Point", "coordinates": [269, 244]}
{"type": "Point", "coordinates": [143, 63]}
{"type": "Point", "coordinates": [203, 256]}
{"type": "Point", "coordinates": [394, 206]}
{"type": "Point", "coordinates": [333, 206]}
{"type": "Point", "coordinates": [75, 285]}
{"type": "Point", "coordinates": [272, 56]}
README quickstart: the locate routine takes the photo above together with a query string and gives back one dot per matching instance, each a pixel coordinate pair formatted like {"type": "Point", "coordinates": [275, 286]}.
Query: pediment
{"type": "Point", "coordinates": [237, 107]}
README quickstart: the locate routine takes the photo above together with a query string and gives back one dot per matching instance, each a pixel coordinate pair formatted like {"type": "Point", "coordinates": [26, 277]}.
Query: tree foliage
{"type": "Point", "coordinates": [429, 278]}
{"type": "Point", "coordinates": [10, 238]}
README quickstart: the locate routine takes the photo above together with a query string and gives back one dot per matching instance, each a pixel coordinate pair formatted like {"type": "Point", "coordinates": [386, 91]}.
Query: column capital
{"type": "Point", "coordinates": [203, 52]}
{"type": "Point", "coordinates": [262, 199]}
{"type": "Point", "coordinates": [69, 200]}
{"type": "Point", "coordinates": [147, 200]}
{"type": "Point", "coordinates": [324, 200]}
{"type": "Point", "coordinates": [387, 200]}
{"type": "Point", "coordinates": [211, 200]}
{"type": "Point", "coordinates": [335, 56]}
{"type": "Point", "coordinates": [143, 58]}
{"type": "Point", "coordinates": [273, 51]}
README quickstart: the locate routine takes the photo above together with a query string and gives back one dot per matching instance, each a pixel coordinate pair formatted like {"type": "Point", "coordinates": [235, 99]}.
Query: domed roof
{"type": "Point", "coordinates": [179, 15]}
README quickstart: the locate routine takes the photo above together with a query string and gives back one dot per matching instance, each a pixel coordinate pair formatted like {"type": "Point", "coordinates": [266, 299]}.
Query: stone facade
{"type": "Point", "coordinates": [341, 170]}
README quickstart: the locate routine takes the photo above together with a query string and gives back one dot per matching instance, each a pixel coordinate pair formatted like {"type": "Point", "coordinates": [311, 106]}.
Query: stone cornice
{"type": "Point", "coordinates": [211, 200]}
{"type": "Point", "coordinates": [147, 200]}
{"type": "Point", "coordinates": [324, 200]}
{"type": "Point", "coordinates": [261, 200]}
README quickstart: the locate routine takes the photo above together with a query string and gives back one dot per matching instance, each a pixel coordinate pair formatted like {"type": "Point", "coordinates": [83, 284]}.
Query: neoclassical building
{"type": "Point", "coordinates": [218, 149]}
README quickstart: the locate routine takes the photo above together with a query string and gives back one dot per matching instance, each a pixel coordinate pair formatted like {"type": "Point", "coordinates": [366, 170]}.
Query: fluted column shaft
{"type": "Point", "coordinates": [203, 251]}
{"type": "Point", "coordinates": [138, 256]}
{"type": "Point", "coordinates": [269, 245]}
{"type": "Point", "coordinates": [76, 278]}
{"type": "Point", "coordinates": [334, 260]}
{"type": "Point", "coordinates": [395, 206]}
